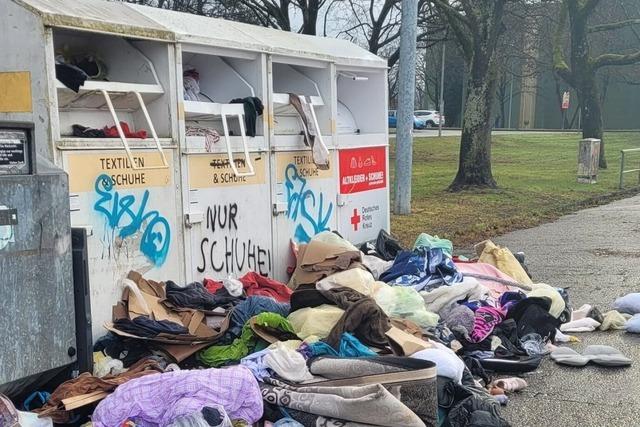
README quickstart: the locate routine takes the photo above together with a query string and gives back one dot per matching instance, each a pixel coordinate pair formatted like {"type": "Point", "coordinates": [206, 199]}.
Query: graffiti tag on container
{"type": "Point", "coordinates": [304, 206]}
{"type": "Point", "coordinates": [124, 218]}
{"type": "Point", "coordinates": [223, 251]}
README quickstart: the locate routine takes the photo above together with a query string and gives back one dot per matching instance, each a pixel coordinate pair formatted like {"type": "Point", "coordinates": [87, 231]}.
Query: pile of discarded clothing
{"type": "Point", "coordinates": [376, 335]}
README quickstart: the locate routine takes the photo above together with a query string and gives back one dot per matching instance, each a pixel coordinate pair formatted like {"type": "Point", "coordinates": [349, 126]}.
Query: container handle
{"type": "Point", "coordinates": [245, 146]}
{"type": "Point", "coordinates": [123, 138]}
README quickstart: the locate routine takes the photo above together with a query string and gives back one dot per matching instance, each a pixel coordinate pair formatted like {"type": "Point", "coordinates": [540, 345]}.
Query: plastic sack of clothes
{"type": "Point", "coordinates": [315, 322]}
{"type": "Point", "coordinates": [629, 303]}
{"type": "Point", "coordinates": [356, 278]}
{"type": "Point", "coordinates": [386, 247]}
{"type": "Point", "coordinates": [633, 325]}
{"type": "Point", "coordinates": [406, 303]}
{"type": "Point", "coordinates": [503, 260]}
{"type": "Point", "coordinates": [105, 365]}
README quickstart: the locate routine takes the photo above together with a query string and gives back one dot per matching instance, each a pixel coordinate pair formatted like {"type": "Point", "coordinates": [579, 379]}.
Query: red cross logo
{"type": "Point", "coordinates": [355, 219]}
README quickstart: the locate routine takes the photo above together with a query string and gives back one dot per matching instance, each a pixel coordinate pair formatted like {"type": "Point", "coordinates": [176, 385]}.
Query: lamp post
{"type": "Point", "coordinates": [406, 99]}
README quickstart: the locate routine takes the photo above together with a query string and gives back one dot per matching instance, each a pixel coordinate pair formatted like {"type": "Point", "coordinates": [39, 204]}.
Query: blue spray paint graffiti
{"type": "Point", "coordinates": [300, 210]}
{"type": "Point", "coordinates": [121, 214]}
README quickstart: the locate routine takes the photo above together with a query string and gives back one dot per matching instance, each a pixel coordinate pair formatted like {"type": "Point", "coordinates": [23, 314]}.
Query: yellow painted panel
{"type": "Point", "coordinates": [214, 170]}
{"type": "Point", "coordinates": [15, 92]}
{"type": "Point", "coordinates": [85, 168]}
{"type": "Point", "coordinates": [303, 162]}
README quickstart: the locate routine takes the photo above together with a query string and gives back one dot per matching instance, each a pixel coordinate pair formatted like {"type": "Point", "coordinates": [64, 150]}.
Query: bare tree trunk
{"type": "Point", "coordinates": [586, 84]}
{"type": "Point", "coordinates": [583, 75]}
{"type": "Point", "coordinates": [474, 168]}
{"type": "Point", "coordinates": [477, 31]}
{"type": "Point", "coordinates": [309, 17]}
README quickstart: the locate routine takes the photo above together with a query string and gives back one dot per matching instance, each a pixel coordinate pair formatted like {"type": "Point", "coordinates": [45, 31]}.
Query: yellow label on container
{"type": "Point", "coordinates": [15, 92]}
{"type": "Point", "coordinates": [302, 161]}
{"type": "Point", "coordinates": [85, 168]}
{"type": "Point", "coordinates": [214, 170]}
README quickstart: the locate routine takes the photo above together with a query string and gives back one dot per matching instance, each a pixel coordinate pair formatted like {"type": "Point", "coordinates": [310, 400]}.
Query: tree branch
{"type": "Point", "coordinates": [614, 25]}
{"type": "Point", "coordinates": [609, 59]}
{"type": "Point", "coordinates": [459, 25]}
{"type": "Point", "coordinates": [635, 32]}
{"type": "Point", "coordinates": [450, 11]}
{"type": "Point", "coordinates": [326, 14]}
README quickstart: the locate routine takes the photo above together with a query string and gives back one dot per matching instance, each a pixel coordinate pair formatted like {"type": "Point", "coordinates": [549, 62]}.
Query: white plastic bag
{"type": "Point", "coordinates": [30, 419]}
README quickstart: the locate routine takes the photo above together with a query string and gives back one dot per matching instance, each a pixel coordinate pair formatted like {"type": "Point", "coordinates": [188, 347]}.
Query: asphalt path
{"type": "Point", "coordinates": [596, 254]}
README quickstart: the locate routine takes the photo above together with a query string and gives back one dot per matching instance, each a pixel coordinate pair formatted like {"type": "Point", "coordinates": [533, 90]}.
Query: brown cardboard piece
{"type": "Point", "coordinates": [148, 302]}
{"type": "Point", "coordinates": [319, 259]}
{"type": "Point", "coordinates": [404, 344]}
{"type": "Point", "coordinates": [180, 352]}
{"type": "Point", "coordinates": [152, 293]}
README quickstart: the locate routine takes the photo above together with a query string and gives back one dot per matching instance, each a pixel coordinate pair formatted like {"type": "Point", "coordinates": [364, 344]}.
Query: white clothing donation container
{"type": "Point", "coordinates": [197, 147]}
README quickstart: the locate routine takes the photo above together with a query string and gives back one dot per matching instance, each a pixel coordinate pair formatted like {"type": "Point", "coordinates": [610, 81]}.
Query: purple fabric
{"type": "Point", "coordinates": [157, 400]}
{"type": "Point", "coordinates": [509, 299]}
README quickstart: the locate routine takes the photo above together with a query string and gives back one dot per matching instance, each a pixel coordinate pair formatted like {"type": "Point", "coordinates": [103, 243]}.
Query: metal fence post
{"type": "Point", "coordinates": [621, 169]}
{"type": "Point", "coordinates": [623, 154]}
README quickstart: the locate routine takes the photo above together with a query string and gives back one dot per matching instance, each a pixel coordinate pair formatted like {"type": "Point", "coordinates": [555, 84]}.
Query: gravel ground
{"type": "Point", "coordinates": [596, 254]}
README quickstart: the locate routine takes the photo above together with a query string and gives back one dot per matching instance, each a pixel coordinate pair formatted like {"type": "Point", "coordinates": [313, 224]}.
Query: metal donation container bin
{"type": "Point", "coordinates": [185, 146]}
{"type": "Point", "coordinates": [304, 192]}
{"type": "Point", "coordinates": [588, 160]}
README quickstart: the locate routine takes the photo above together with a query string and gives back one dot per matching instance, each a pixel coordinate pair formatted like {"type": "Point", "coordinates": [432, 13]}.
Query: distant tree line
{"type": "Point", "coordinates": [586, 43]}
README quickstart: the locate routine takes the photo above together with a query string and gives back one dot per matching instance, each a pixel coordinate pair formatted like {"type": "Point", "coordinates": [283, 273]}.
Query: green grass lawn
{"type": "Point", "coordinates": [536, 175]}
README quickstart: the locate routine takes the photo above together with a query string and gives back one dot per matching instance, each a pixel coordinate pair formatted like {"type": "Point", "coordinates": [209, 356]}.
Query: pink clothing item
{"type": "Point", "coordinates": [496, 288]}
{"type": "Point", "coordinates": [486, 319]}
{"type": "Point", "coordinates": [255, 284]}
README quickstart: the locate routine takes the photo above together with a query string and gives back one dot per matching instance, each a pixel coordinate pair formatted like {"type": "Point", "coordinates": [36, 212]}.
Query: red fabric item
{"type": "Point", "coordinates": [112, 132]}
{"type": "Point", "coordinates": [212, 286]}
{"type": "Point", "coordinates": [255, 284]}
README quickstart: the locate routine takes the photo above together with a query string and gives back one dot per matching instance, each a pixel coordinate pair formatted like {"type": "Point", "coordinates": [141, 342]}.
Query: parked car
{"type": "Point", "coordinates": [431, 118]}
{"type": "Point", "coordinates": [418, 123]}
